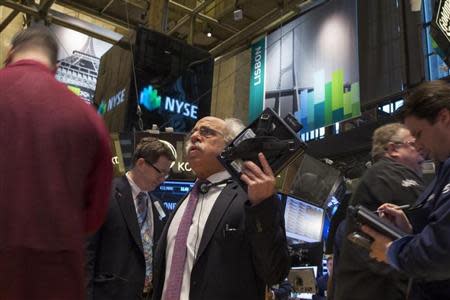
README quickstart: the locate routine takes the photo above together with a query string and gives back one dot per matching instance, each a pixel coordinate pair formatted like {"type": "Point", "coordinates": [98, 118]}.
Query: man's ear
{"type": "Point", "coordinates": [444, 117]}
{"type": "Point", "coordinates": [139, 162]}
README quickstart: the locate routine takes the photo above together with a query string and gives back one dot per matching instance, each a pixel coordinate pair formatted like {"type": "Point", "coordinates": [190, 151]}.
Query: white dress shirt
{"type": "Point", "coordinates": [204, 206]}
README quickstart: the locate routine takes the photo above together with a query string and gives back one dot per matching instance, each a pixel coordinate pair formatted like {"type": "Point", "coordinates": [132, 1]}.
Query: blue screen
{"type": "Point", "coordinates": [170, 192]}
{"type": "Point", "coordinates": [330, 210]}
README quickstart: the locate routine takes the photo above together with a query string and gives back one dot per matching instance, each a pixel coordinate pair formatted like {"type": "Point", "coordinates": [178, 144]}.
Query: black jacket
{"type": "Point", "coordinates": [356, 276]}
{"type": "Point", "coordinates": [115, 258]}
{"type": "Point", "coordinates": [234, 264]}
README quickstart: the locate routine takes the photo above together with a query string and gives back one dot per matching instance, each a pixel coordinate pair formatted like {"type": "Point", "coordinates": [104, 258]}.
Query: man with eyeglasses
{"type": "Point", "coordinates": [424, 253]}
{"type": "Point", "coordinates": [222, 243]}
{"type": "Point", "coordinates": [395, 177]}
{"type": "Point", "coordinates": [120, 254]}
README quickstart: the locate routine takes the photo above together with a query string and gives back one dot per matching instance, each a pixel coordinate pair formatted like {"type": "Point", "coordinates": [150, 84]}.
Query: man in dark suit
{"type": "Point", "coordinates": [222, 243]}
{"type": "Point", "coordinates": [120, 254]}
{"type": "Point", "coordinates": [423, 253]}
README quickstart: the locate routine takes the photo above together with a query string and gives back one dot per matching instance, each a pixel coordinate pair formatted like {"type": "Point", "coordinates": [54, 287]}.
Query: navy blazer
{"type": "Point", "coordinates": [233, 264]}
{"type": "Point", "coordinates": [425, 255]}
{"type": "Point", "coordinates": [115, 257]}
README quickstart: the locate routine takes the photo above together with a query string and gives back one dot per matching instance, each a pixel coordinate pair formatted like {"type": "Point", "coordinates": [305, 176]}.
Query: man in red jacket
{"type": "Point", "coordinates": [55, 174]}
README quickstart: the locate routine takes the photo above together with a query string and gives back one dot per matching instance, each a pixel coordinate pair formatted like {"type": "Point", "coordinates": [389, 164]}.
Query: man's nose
{"type": "Point", "coordinates": [195, 136]}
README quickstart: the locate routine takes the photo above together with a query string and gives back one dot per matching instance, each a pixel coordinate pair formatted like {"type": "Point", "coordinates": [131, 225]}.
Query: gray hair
{"type": "Point", "coordinates": [384, 135]}
{"type": "Point", "coordinates": [233, 127]}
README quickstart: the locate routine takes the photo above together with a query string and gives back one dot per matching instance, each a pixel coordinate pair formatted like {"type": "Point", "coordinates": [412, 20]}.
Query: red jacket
{"type": "Point", "coordinates": [55, 176]}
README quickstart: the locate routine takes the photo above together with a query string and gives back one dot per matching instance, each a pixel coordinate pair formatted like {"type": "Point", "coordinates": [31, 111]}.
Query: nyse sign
{"type": "Point", "coordinates": [180, 107]}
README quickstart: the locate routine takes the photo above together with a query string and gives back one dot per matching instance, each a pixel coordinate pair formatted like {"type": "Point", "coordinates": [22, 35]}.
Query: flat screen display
{"type": "Point", "coordinates": [304, 222]}
{"type": "Point", "coordinates": [171, 192]}
{"type": "Point", "coordinates": [173, 79]}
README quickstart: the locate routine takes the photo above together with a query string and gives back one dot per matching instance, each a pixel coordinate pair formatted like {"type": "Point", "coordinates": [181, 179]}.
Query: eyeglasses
{"type": "Point", "coordinates": [164, 174]}
{"type": "Point", "coordinates": [206, 131]}
{"type": "Point", "coordinates": [411, 143]}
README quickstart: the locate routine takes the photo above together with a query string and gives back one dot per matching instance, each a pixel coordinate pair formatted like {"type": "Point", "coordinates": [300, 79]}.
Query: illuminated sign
{"type": "Point", "coordinates": [257, 65]}
{"type": "Point", "coordinates": [150, 99]}
{"type": "Point", "coordinates": [443, 18]}
{"type": "Point", "coordinates": [112, 102]}
{"type": "Point", "coordinates": [181, 107]}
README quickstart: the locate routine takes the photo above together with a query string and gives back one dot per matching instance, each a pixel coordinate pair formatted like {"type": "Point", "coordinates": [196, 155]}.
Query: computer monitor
{"type": "Point", "coordinates": [304, 221]}
{"type": "Point", "coordinates": [173, 82]}
{"type": "Point", "coordinates": [171, 192]}
{"type": "Point", "coordinates": [303, 281]}
{"type": "Point", "coordinates": [311, 180]}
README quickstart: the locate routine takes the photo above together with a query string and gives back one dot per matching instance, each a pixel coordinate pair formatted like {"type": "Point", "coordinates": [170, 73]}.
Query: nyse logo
{"type": "Point", "coordinates": [182, 108]}
{"type": "Point", "coordinates": [150, 99]}
{"type": "Point", "coordinates": [112, 102]}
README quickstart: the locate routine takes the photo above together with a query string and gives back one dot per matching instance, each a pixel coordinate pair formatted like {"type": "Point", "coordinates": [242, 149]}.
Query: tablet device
{"type": "Point", "coordinates": [276, 138]}
{"type": "Point", "coordinates": [364, 216]}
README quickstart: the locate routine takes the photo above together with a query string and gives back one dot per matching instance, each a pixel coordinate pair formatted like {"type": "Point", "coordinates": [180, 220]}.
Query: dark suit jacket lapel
{"type": "Point", "coordinates": [224, 200]}
{"type": "Point", "coordinates": [126, 204]}
{"type": "Point", "coordinates": [158, 220]}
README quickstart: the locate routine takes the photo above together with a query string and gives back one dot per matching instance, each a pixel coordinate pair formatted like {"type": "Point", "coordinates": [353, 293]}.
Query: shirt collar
{"type": "Point", "coordinates": [135, 190]}
{"type": "Point", "coordinates": [219, 176]}
{"type": "Point", "coordinates": [30, 62]}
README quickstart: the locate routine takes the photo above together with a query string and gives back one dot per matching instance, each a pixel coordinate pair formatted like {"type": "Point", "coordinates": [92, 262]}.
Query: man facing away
{"type": "Point", "coordinates": [222, 243]}
{"type": "Point", "coordinates": [424, 253]}
{"type": "Point", "coordinates": [120, 254]}
{"type": "Point", "coordinates": [394, 177]}
{"type": "Point", "coordinates": [55, 175]}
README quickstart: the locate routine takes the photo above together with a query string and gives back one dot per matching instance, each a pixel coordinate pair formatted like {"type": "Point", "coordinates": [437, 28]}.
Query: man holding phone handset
{"type": "Point", "coordinates": [424, 253]}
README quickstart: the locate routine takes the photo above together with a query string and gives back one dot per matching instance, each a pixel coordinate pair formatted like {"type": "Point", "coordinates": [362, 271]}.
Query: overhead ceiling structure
{"type": "Point", "coordinates": [231, 24]}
